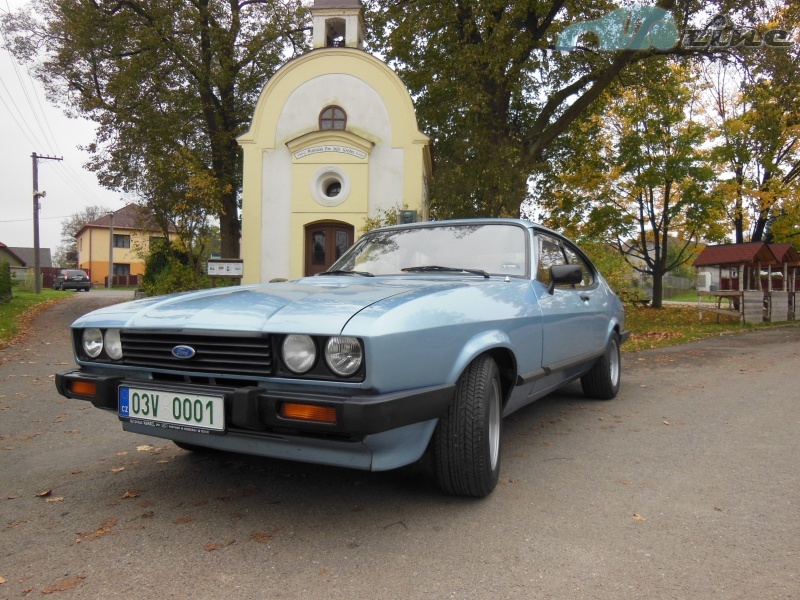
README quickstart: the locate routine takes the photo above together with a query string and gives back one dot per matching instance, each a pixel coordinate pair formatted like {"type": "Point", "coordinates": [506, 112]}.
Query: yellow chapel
{"type": "Point", "coordinates": [333, 141]}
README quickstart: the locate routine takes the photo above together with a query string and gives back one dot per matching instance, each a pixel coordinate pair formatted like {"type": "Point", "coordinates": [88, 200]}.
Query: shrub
{"type": "Point", "coordinates": [174, 276]}
{"type": "Point", "coordinates": [5, 282]}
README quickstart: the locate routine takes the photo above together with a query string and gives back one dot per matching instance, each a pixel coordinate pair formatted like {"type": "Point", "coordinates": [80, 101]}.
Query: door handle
{"type": "Point", "coordinates": [585, 297]}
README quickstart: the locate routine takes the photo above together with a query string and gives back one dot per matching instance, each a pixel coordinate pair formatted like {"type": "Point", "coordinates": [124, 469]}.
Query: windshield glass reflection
{"type": "Point", "coordinates": [495, 249]}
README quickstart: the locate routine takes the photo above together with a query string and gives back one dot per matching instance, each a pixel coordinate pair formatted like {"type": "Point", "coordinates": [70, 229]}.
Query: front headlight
{"type": "Point", "coordinates": [299, 353]}
{"type": "Point", "coordinates": [113, 344]}
{"type": "Point", "coordinates": [343, 355]}
{"type": "Point", "coordinates": [92, 342]}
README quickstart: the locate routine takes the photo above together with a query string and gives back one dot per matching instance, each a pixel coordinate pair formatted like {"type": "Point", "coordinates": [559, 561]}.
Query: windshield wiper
{"type": "Point", "coordinates": [341, 272]}
{"type": "Point", "coordinates": [434, 268]}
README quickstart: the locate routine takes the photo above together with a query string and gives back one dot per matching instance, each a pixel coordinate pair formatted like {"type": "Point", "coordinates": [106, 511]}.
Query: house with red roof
{"type": "Point", "coordinates": [757, 273]}
{"type": "Point", "coordinates": [124, 235]}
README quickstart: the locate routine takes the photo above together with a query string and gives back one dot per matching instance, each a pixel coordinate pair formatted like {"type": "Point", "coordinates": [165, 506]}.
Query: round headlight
{"type": "Point", "coordinates": [343, 355]}
{"type": "Point", "coordinates": [113, 344]}
{"type": "Point", "coordinates": [92, 342]}
{"type": "Point", "coordinates": [299, 353]}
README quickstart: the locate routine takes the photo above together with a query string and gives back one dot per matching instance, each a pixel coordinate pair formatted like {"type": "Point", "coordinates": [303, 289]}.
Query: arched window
{"type": "Point", "coordinates": [333, 117]}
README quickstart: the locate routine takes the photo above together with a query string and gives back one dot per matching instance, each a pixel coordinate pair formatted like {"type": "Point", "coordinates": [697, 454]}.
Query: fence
{"type": "Point", "coordinates": [123, 281]}
{"type": "Point", "coordinates": [675, 286]}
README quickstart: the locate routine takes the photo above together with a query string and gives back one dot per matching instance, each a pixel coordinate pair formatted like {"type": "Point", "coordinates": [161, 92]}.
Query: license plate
{"type": "Point", "coordinates": [172, 410]}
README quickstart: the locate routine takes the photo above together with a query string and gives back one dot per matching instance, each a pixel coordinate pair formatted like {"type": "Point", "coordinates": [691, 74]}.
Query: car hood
{"type": "Point", "coordinates": [315, 305]}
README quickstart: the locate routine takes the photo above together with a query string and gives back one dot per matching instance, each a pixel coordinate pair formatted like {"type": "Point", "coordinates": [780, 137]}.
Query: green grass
{"type": "Point", "coordinates": [672, 325]}
{"type": "Point", "coordinates": [690, 296]}
{"type": "Point", "coordinates": [24, 305]}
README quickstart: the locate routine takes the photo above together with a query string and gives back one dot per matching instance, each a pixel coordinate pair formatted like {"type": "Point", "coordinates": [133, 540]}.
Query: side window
{"type": "Point", "coordinates": [548, 254]}
{"type": "Point", "coordinates": [574, 258]}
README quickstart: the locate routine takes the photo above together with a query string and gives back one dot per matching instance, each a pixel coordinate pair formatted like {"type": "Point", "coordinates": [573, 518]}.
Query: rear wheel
{"type": "Point", "coordinates": [602, 382]}
{"type": "Point", "coordinates": [466, 443]}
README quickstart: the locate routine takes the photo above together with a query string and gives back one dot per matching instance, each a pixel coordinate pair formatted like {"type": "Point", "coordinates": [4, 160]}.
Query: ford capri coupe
{"type": "Point", "coordinates": [419, 338]}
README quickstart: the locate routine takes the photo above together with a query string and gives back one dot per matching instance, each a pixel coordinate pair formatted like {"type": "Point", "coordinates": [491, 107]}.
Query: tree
{"type": "Point", "coordinates": [66, 254]}
{"type": "Point", "coordinates": [645, 185]}
{"type": "Point", "coordinates": [753, 107]}
{"type": "Point", "coordinates": [757, 153]}
{"type": "Point", "coordinates": [161, 78]}
{"type": "Point", "coordinates": [495, 94]}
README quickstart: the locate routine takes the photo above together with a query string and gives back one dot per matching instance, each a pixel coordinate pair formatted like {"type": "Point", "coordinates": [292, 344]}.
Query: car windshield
{"type": "Point", "coordinates": [480, 249]}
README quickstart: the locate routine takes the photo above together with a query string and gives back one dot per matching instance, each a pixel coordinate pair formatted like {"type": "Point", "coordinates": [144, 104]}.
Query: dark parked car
{"type": "Point", "coordinates": [421, 336]}
{"type": "Point", "coordinates": [72, 279]}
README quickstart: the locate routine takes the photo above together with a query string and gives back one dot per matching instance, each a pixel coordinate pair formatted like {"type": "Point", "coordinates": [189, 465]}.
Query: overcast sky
{"type": "Point", "coordinates": [28, 124]}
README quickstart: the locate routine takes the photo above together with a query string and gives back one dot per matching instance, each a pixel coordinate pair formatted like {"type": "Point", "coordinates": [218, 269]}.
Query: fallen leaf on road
{"type": "Point", "coordinates": [121, 453]}
{"type": "Point", "coordinates": [666, 422]}
{"type": "Point", "coordinates": [117, 469]}
{"type": "Point", "coordinates": [2, 580]}
{"type": "Point", "coordinates": [64, 585]}
{"type": "Point", "coordinates": [636, 517]}
{"type": "Point", "coordinates": [183, 520]}
{"type": "Point", "coordinates": [130, 494]}
{"type": "Point", "coordinates": [210, 547]}
{"type": "Point", "coordinates": [262, 537]}
{"type": "Point", "coordinates": [144, 448]}
{"type": "Point", "coordinates": [43, 494]}
{"type": "Point", "coordinates": [56, 499]}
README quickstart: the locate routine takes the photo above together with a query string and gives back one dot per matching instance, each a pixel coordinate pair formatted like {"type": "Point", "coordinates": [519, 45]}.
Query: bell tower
{"type": "Point", "coordinates": [338, 24]}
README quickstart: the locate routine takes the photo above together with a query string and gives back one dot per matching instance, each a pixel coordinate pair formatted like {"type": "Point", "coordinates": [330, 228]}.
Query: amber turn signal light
{"type": "Point", "coordinates": [308, 412]}
{"type": "Point", "coordinates": [83, 388]}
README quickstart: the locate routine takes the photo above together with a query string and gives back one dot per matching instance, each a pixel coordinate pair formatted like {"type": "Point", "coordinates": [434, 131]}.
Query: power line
{"type": "Point", "coordinates": [31, 219]}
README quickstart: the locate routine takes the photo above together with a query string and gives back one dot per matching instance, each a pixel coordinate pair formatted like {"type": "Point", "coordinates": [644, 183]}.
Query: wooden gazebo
{"type": "Point", "coordinates": [747, 280]}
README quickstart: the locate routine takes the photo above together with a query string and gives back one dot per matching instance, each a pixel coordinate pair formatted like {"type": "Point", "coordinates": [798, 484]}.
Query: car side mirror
{"type": "Point", "coordinates": [564, 275]}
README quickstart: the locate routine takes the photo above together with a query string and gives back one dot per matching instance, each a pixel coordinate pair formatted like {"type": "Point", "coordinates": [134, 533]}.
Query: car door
{"type": "Point", "coordinates": [571, 314]}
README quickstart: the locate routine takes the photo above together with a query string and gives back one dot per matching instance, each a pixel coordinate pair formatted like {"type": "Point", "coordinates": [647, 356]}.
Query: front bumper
{"type": "Point", "coordinates": [256, 409]}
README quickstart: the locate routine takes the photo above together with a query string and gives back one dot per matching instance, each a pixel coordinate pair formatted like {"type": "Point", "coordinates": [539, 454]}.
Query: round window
{"type": "Point", "coordinates": [330, 186]}
{"type": "Point", "coordinates": [333, 189]}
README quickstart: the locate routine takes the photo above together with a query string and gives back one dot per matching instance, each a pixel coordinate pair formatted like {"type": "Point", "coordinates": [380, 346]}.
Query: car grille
{"type": "Point", "coordinates": [218, 354]}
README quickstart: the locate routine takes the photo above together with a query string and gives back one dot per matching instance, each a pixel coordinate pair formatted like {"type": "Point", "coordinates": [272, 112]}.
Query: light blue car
{"type": "Point", "coordinates": [421, 337]}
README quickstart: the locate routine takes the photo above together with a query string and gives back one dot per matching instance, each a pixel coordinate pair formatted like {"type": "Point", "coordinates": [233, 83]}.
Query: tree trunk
{"type": "Point", "coordinates": [229, 226]}
{"type": "Point", "coordinates": [658, 288]}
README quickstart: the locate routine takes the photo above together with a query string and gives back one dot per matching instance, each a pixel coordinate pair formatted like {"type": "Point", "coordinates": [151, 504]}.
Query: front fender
{"type": "Point", "coordinates": [477, 345]}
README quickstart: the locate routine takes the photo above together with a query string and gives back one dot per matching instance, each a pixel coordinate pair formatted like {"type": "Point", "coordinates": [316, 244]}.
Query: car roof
{"type": "Point", "coordinates": [479, 221]}
{"type": "Point", "coordinates": [450, 222]}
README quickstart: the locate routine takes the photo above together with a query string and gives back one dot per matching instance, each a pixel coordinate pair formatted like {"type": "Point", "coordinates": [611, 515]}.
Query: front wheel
{"type": "Point", "coordinates": [466, 443]}
{"type": "Point", "coordinates": [602, 382]}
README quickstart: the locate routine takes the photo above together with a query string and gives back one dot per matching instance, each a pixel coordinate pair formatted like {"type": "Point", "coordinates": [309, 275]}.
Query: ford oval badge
{"type": "Point", "coordinates": [183, 352]}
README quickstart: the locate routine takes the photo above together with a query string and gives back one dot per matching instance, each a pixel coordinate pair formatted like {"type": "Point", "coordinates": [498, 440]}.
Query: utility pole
{"type": "Point", "coordinates": [110, 251]}
{"type": "Point", "coordinates": [37, 267]}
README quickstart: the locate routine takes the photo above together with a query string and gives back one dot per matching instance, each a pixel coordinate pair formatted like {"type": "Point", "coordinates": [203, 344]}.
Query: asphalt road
{"type": "Point", "coordinates": [685, 486]}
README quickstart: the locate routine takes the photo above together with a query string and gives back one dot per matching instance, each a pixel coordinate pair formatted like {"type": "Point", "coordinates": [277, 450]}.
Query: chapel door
{"type": "Point", "coordinates": [324, 244]}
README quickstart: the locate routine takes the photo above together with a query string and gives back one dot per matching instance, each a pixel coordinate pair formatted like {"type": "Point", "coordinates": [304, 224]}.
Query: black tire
{"type": "Point", "coordinates": [602, 382]}
{"type": "Point", "coordinates": [466, 443]}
